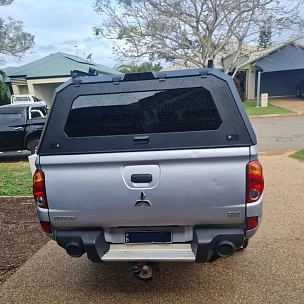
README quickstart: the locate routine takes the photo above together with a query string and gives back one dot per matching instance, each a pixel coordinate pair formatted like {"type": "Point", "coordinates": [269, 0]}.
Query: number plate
{"type": "Point", "coordinates": [152, 237]}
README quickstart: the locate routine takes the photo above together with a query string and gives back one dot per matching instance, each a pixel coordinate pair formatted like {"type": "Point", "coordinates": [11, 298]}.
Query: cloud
{"type": "Point", "coordinates": [46, 48]}
{"type": "Point", "coordinates": [59, 25]}
{"type": "Point", "coordinates": [72, 41]}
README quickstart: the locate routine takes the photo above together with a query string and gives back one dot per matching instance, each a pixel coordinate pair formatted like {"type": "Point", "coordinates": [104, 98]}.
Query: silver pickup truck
{"type": "Point", "coordinates": [149, 167]}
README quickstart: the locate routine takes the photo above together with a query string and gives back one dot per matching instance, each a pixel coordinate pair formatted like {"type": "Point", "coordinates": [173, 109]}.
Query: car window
{"type": "Point", "coordinates": [177, 110]}
{"type": "Point", "coordinates": [9, 117]}
{"type": "Point", "coordinates": [42, 109]}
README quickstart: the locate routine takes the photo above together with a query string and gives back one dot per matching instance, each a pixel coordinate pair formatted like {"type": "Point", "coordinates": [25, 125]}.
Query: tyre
{"type": "Point", "coordinates": [33, 146]}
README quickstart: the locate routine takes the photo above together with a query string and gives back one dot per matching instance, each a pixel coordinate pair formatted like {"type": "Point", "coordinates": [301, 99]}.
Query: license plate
{"type": "Point", "coordinates": [152, 237]}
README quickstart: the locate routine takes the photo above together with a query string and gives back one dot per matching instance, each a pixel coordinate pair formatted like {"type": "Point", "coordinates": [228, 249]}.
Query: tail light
{"type": "Point", "coordinates": [255, 181]}
{"type": "Point", "coordinates": [39, 189]}
{"type": "Point", "coordinates": [46, 227]}
{"type": "Point", "coordinates": [252, 222]}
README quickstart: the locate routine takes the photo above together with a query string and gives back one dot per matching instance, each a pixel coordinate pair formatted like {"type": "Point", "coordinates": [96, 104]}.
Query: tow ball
{"type": "Point", "coordinates": [142, 271]}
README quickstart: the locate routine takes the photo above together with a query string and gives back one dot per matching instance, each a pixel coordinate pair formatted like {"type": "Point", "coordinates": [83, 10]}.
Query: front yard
{"type": "Point", "coordinates": [20, 234]}
{"type": "Point", "coordinates": [251, 109]}
{"type": "Point", "coordinates": [298, 155]}
{"type": "Point", "coordinates": [15, 179]}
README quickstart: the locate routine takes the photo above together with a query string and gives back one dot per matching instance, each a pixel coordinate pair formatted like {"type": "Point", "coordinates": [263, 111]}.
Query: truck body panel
{"type": "Point", "coordinates": [197, 186]}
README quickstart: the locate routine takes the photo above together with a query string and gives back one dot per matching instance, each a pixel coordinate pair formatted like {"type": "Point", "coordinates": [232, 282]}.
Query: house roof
{"type": "Point", "coordinates": [57, 65]}
{"type": "Point", "coordinates": [6, 70]}
{"type": "Point", "coordinates": [291, 56]}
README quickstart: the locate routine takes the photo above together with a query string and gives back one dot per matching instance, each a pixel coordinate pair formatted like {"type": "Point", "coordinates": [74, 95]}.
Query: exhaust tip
{"type": "Point", "coordinates": [74, 250]}
{"type": "Point", "coordinates": [225, 249]}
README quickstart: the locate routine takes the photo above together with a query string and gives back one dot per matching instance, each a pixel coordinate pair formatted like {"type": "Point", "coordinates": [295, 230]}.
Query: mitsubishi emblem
{"type": "Point", "coordinates": [143, 200]}
{"type": "Point", "coordinates": [142, 195]}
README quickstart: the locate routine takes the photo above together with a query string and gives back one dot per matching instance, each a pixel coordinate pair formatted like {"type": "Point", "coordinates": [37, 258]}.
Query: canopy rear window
{"type": "Point", "coordinates": [175, 110]}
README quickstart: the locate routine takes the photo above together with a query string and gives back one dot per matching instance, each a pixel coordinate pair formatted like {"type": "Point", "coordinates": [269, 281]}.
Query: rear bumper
{"type": "Point", "coordinates": [203, 248]}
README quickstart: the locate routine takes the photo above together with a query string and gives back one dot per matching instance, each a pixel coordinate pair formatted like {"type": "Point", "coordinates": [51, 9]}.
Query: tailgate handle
{"type": "Point", "coordinates": [139, 140]}
{"type": "Point", "coordinates": [141, 178]}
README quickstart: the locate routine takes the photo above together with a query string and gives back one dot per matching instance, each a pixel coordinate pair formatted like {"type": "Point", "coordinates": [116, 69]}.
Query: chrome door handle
{"type": "Point", "coordinates": [18, 128]}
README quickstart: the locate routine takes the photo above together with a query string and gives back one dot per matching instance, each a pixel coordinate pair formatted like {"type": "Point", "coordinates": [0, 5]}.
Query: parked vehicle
{"type": "Point", "coordinates": [21, 126]}
{"type": "Point", "coordinates": [26, 99]}
{"type": "Point", "coordinates": [149, 167]}
{"type": "Point", "coordinates": [300, 88]}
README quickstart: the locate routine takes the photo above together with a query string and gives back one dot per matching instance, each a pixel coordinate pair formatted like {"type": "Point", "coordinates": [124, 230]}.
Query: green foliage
{"type": "Point", "coordinates": [4, 99]}
{"type": "Point", "coordinates": [265, 35]}
{"type": "Point", "coordinates": [298, 155]}
{"type": "Point", "coordinates": [144, 67]}
{"type": "Point", "coordinates": [14, 41]}
{"type": "Point", "coordinates": [240, 90]}
{"type": "Point", "coordinates": [15, 179]}
{"type": "Point", "coordinates": [251, 109]}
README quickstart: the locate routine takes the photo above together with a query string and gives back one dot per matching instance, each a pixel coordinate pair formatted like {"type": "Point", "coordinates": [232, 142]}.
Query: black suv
{"type": "Point", "coordinates": [21, 126]}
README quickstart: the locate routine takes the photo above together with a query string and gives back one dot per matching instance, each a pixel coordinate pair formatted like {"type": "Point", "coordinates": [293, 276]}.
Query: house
{"type": "Point", "coordinates": [40, 78]}
{"type": "Point", "coordinates": [280, 67]}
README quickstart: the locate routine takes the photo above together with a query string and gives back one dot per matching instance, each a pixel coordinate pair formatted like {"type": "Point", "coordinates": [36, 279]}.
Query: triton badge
{"type": "Point", "coordinates": [64, 218]}
{"type": "Point", "coordinates": [143, 200]}
{"type": "Point", "coordinates": [234, 214]}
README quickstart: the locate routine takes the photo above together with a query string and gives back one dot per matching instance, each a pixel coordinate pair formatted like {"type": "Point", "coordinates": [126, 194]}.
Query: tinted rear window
{"type": "Point", "coordinates": [176, 110]}
{"type": "Point", "coordinates": [9, 117]}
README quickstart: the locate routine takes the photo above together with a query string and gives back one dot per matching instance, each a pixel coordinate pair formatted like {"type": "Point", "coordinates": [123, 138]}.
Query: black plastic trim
{"type": "Point", "coordinates": [204, 244]}
{"type": "Point", "coordinates": [221, 86]}
{"type": "Point", "coordinates": [205, 241]}
{"type": "Point", "coordinates": [92, 241]}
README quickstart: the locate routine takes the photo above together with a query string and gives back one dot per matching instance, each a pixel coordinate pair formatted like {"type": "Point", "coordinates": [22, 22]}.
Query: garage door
{"type": "Point", "coordinates": [280, 83]}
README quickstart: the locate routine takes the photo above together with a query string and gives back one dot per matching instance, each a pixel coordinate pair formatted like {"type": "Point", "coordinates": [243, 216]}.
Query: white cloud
{"type": "Point", "coordinates": [59, 25]}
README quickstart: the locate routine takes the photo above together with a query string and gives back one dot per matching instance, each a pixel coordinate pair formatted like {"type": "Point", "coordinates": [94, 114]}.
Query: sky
{"type": "Point", "coordinates": [59, 25]}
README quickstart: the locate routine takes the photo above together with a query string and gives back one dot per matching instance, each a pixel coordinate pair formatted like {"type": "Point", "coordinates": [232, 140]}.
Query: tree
{"type": "Point", "coordinates": [4, 99]}
{"type": "Point", "coordinates": [144, 67]}
{"type": "Point", "coordinates": [191, 30]}
{"type": "Point", "coordinates": [265, 35]}
{"type": "Point", "coordinates": [14, 41]}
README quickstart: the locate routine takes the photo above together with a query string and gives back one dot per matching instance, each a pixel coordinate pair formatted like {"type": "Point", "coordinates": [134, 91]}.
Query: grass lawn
{"type": "Point", "coordinates": [298, 155]}
{"type": "Point", "coordinates": [251, 109]}
{"type": "Point", "coordinates": [15, 179]}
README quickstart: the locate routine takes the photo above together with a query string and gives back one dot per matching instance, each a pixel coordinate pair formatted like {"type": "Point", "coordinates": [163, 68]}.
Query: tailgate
{"type": "Point", "coordinates": [157, 188]}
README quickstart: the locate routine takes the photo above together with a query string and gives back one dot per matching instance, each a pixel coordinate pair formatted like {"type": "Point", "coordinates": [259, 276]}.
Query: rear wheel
{"type": "Point", "coordinates": [33, 145]}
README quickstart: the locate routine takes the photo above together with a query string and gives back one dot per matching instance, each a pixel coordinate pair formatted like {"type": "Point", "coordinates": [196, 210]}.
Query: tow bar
{"type": "Point", "coordinates": [142, 271]}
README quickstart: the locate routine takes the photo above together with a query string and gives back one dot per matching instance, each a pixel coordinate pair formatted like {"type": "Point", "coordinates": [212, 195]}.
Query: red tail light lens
{"type": "Point", "coordinates": [252, 222]}
{"type": "Point", "coordinates": [39, 189]}
{"type": "Point", "coordinates": [46, 227]}
{"type": "Point", "coordinates": [255, 181]}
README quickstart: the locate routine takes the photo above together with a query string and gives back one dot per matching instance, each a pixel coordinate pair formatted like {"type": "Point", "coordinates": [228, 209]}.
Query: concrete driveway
{"type": "Point", "coordinates": [270, 270]}
{"type": "Point", "coordinates": [294, 104]}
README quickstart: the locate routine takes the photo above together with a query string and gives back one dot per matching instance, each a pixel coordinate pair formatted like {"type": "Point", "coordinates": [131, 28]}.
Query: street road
{"type": "Point", "coordinates": [279, 133]}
